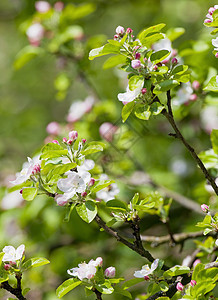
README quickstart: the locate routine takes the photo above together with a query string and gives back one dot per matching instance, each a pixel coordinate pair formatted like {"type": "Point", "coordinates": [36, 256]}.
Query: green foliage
{"type": "Point", "coordinates": [34, 262]}
{"type": "Point", "coordinates": [67, 286]}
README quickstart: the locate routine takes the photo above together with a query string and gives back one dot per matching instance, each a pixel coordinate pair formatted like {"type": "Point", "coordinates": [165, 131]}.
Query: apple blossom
{"type": "Point", "coordinates": [86, 270]}
{"type": "Point", "coordinates": [91, 182]}
{"type": "Point", "coordinates": [183, 94]}
{"type": "Point", "coordinates": [35, 33]}
{"type": "Point", "coordinates": [108, 192]}
{"type": "Point", "coordinates": [193, 282]}
{"type": "Point", "coordinates": [7, 267]}
{"type": "Point", "coordinates": [55, 142]}
{"type": "Point", "coordinates": [179, 286]}
{"type": "Point", "coordinates": [25, 173]}
{"type": "Point", "coordinates": [120, 30]}
{"type": "Point", "coordinates": [129, 30]}
{"type": "Point", "coordinates": [137, 55]}
{"type": "Point", "coordinates": [42, 6]}
{"type": "Point", "coordinates": [64, 140]}
{"type": "Point", "coordinates": [79, 108]}
{"type": "Point", "coordinates": [195, 85]}
{"type": "Point", "coordinates": [205, 208]}
{"type": "Point", "coordinates": [107, 131]}
{"type": "Point", "coordinates": [129, 95]}
{"type": "Point", "coordinates": [145, 271]}
{"type": "Point", "coordinates": [136, 64]}
{"type": "Point", "coordinates": [73, 135]}
{"type": "Point", "coordinates": [196, 262]}
{"type": "Point", "coordinates": [110, 272]}
{"type": "Point", "coordinates": [211, 10]}
{"type": "Point", "coordinates": [53, 128]}
{"type": "Point", "coordinates": [174, 61]}
{"type": "Point", "coordinates": [144, 91]}
{"type": "Point", "coordinates": [12, 200]}
{"type": "Point", "coordinates": [12, 254]}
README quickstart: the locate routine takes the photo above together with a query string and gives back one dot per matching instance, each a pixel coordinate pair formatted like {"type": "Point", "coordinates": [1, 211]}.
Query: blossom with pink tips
{"type": "Point", "coordinates": [120, 30]}
{"type": "Point", "coordinates": [136, 64]}
{"type": "Point", "coordinates": [53, 128]}
{"type": "Point", "coordinates": [179, 286]}
{"type": "Point", "coordinates": [211, 10]}
{"type": "Point", "coordinates": [207, 21]}
{"type": "Point", "coordinates": [91, 182]}
{"type": "Point", "coordinates": [195, 85]}
{"type": "Point", "coordinates": [73, 135]}
{"type": "Point", "coordinates": [193, 282]}
{"type": "Point", "coordinates": [79, 108]}
{"type": "Point", "coordinates": [35, 33]}
{"type": "Point", "coordinates": [129, 30]}
{"type": "Point", "coordinates": [12, 254]}
{"type": "Point", "coordinates": [64, 140]}
{"type": "Point", "coordinates": [110, 272]}
{"type": "Point", "coordinates": [205, 208]}
{"type": "Point", "coordinates": [196, 262]}
{"type": "Point", "coordinates": [36, 169]}
{"type": "Point", "coordinates": [55, 142]}
{"type": "Point", "coordinates": [42, 6]}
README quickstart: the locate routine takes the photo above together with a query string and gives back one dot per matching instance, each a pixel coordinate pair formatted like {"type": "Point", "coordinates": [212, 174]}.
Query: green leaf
{"type": "Point", "coordinates": [206, 222]}
{"type": "Point", "coordinates": [135, 199]}
{"type": "Point", "coordinates": [135, 82]}
{"type": "Point", "coordinates": [132, 282]}
{"type": "Point", "coordinates": [212, 85]}
{"type": "Point", "coordinates": [150, 30]}
{"type": "Point", "coordinates": [25, 55]}
{"type": "Point", "coordinates": [122, 292]}
{"type": "Point", "coordinates": [142, 111]}
{"type": "Point", "coordinates": [104, 50]}
{"type": "Point", "coordinates": [127, 109]}
{"type": "Point", "coordinates": [101, 185]}
{"type": "Point", "coordinates": [177, 270]}
{"type": "Point", "coordinates": [93, 147]}
{"type": "Point", "coordinates": [87, 211]}
{"type": "Point", "coordinates": [158, 56]}
{"type": "Point", "coordinates": [163, 286]}
{"type": "Point", "coordinates": [149, 40]}
{"type": "Point", "coordinates": [72, 12]}
{"type": "Point", "coordinates": [52, 150]}
{"type": "Point", "coordinates": [68, 212]}
{"type": "Point", "coordinates": [174, 33]}
{"type": "Point", "coordinates": [113, 61]}
{"type": "Point", "coordinates": [165, 86]}
{"type": "Point", "coordinates": [60, 169]}
{"type": "Point", "coordinates": [116, 204]}
{"type": "Point", "coordinates": [35, 262]}
{"type": "Point", "coordinates": [1, 256]}
{"type": "Point", "coordinates": [3, 276]}
{"type": "Point", "coordinates": [209, 159]}
{"type": "Point", "coordinates": [29, 194]}
{"type": "Point", "coordinates": [214, 140]}
{"type": "Point", "coordinates": [197, 270]}
{"type": "Point", "coordinates": [179, 69]}
{"type": "Point", "coordinates": [105, 288]}
{"type": "Point", "coordinates": [156, 108]}
{"type": "Point", "coordinates": [67, 286]}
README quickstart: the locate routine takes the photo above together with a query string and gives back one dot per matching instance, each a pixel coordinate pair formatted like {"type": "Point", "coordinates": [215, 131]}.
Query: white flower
{"type": "Point", "coordinates": [25, 173]}
{"type": "Point", "coordinates": [145, 271]}
{"type": "Point", "coordinates": [42, 6]}
{"type": "Point", "coordinates": [11, 254]}
{"type": "Point", "coordinates": [85, 270]}
{"type": "Point", "coordinates": [108, 192]}
{"type": "Point", "coordinates": [79, 108]}
{"type": "Point", "coordinates": [215, 43]}
{"type": "Point", "coordinates": [129, 95]}
{"type": "Point", "coordinates": [183, 94]}
{"type": "Point", "coordinates": [12, 200]}
{"type": "Point", "coordinates": [35, 32]}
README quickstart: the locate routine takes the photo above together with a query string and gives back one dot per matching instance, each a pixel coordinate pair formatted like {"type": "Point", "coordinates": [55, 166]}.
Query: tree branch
{"type": "Point", "coordinates": [170, 118]}
{"type": "Point", "coordinates": [97, 293]}
{"type": "Point", "coordinates": [14, 291]}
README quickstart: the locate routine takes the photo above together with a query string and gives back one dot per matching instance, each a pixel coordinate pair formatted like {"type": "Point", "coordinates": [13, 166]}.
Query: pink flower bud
{"type": "Point", "coordinates": [207, 21]}
{"type": "Point", "coordinates": [143, 91]}
{"type": "Point", "coordinates": [53, 128]}
{"type": "Point", "coordinates": [55, 142]}
{"type": "Point", "coordinates": [64, 140]}
{"type": "Point", "coordinates": [70, 142]}
{"type": "Point", "coordinates": [179, 286]}
{"type": "Point", "coordinates": [195, 85]}
{"type": "Point", "coordinates": [13, 263]}
{"type": "Point", "coordinates": [135, 63]}
{"type": "Point", "coordinates": [193, 282]}
{"type": "Point", "coordinates": [205, 208]}
{"type": "Point", "coordinates": [7, 267]}
{"type": "Point", "coordinates": [196, 262]}
{"type": "Point", "coordinates": [21, 191]}
{"type": "Point", "coordinates": [91, 182]}
{"type": "Point", "coordinates": [83, 141]}
{"type": "Point", "coordinates": [116, 37]}
{"type": "Point", "coordinates": [36, 169]}
{"type": "Point", "coordinates": [42, 6]}
{"type": "Point", "coordinates": [211, 10]}
{"type": "Point", "coordinates": [60, 200]}
{"type": "Point", "coordinates": [110, 272]}
{"type": "Point", "coordinates": [73, 135]}
{"type": "Point", "coordinates": [99, 261]}
{"type": "Point", "coordinates": [129, 30]}
{"type": "Point", "coordinates": [216, 55]}
{"type": "Point", "coordinates": [83, 194]}
{"type": "Point", "coordinates": [59, 6]}
{"type": "Point", "coordinates": [125, 102]}
{"type": "Point", "coordinates": [120, 30]}
{"type": "Point", "coordinates": [146, 278]}
{"type": "Point", "coordinates": [155, 68]}
{"type": "Point", "coordinates": [137, 55]}
{"type": "Point", "coordinates": [174, 61]}
{"type": "Point", "coordinates": [193, 97]}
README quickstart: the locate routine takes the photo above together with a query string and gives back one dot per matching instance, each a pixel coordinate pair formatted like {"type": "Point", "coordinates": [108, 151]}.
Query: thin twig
{"type": "Point", "coordinates": [97, 293]}
{"type": "Point", "coordinates": [169, 115]}
{"type": "Point", "coordinates": [14, 291]}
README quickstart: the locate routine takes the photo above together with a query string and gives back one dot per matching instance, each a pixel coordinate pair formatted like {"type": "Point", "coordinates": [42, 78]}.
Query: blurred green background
{"type": "Point", "coordinates": [28, 102]}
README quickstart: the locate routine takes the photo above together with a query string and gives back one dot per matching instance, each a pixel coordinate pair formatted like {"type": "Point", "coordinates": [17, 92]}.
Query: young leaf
{"type": "Point", "coordinates": [212, 85]}
{"type": "Point", "coordinates": [116, 205]}
{"type": "Point", "coordinates": [35, 262]}
{"type": "Point", "coordinates": [101, 185]}
{"type": "Point", "coordinates": [67, 286]}
{"type": "Point", "coordinates": [174, 33]}
{"type": "Point", "coordinates": [156, 108]}
{"type": "Point", "coordinates": [142, 111]}
{"type": "Point", "coordinates": [165, 86]}
{"type": "Point", "coordinates": [177, 270]}
{"type": "Point", "coordinates": [150, 30]}
{"type": "Point", "coordinates": [113, 61]}
{"type": "Point", "coordinates": [127, 109]}
{"type": "Point", "coordinates": [93, 147]}
{"type": "Point", "coordinates": [132, 282]}
{"type": "Point", "coordinates": [52, 150]}
{"type": "Point", "coordinates": [105, 288]}
{"type": "Point", "coordinates": [104, 50]}
{"type": "Point", "coordinates": [25, 55]}
{"type": "Point", "coordinates": [214, 140]}
{"type": "Point", "coordinates": [87, 211]}
{"type": "Point", "coordinates": [158, 56]}
{"type": "Point", "coordinates": [136, 82]}
{"type": "Point", "coordinates": [29, 193]}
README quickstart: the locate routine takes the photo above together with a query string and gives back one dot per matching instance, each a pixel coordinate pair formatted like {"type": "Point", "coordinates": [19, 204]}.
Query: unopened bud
{"type": "Point", "coordinates": [205, 208]}
{"type": "Point", "coordinates": [73, 135]}
{"type": "Point", "coordinates": [99, 261]}
{"type": "Point", "coordinates": [174, 61]}
{"type": "Point", "coordinates": [193, 97]}
{"type": "Point", "coordinates": [70, 142]}
{"type": "Point", "coordinates": [193, 282]}
{"type": "Point", "coordinates": [64, 140]}
{"type": "Point", "coordinates": [143, 91]}
{"type": "Point", "coordinates": [53, 128]}
{"type": "Point", "coordinates": [36, 169]}
{"type": "Point", "coordinates": [179, 286]}
{"type": "Point", "coordinates": [110, 272]}
{"type": "Point", "coordinates": [116, 37]}
{"type": "Point", "coordinates": [136, 64]}
{"type": "Point", "coordinates": [196, 262]}
{"type": "Point", "coordinates": [83, 194]}
{"type": "Point", "coordinates": [7, 267]}
{"type": "Point", "coordinates": [216, 55]}
{"type": "Point", "coordinates": [120, 30]}
{"type": "Point", "coordinates": [146, 278]}
{"type": "Point", "coordinates": [55, 142]}
{"type": "Point", "coordinates": [195, 85]}
{"type": "Point", "coordinates": [129, 30]}
{"type": "Point", "coordinates": [155, 68]}
{"type": "Point", "coordinates": [83, 141]}
{"type": "Point", "coordinates": [91, 182]}
{"type": "Point", "coordinates": [58, 6]}
{"type": "Point", "coordinates": [207, 21]}
{"type": "Point", "coordinates": [137, 55]}
{"type": "Point", "coordinates": [21, 191]}
{"type": "Point", "coordinates": [211, 10]}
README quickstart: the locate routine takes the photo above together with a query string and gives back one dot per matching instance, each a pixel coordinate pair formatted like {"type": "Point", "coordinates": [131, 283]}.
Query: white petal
{"type": "Point", "coordinates": [20, 251]}
{"type": "Point", "coordinates": [154, 265]}
{"type": "Point", "coordinates": [215, 42]}
{"type": "Point", "coordinates": [9, 253]}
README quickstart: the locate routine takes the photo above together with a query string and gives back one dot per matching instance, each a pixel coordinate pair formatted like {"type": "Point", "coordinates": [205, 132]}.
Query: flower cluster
{"type": "Point", "coordinates": [88, 270]}
{"type": "Point", "coordinates": [209, 16]}
{"type": "Point", "coordinates": [12, 257]}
